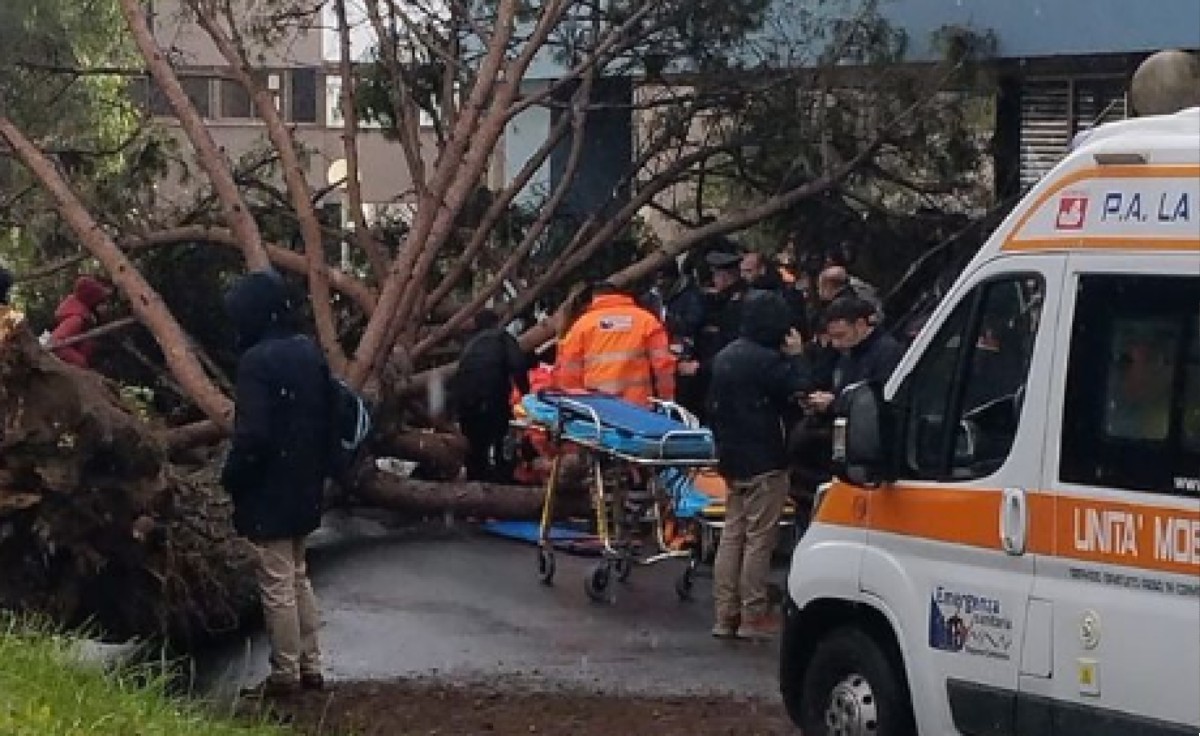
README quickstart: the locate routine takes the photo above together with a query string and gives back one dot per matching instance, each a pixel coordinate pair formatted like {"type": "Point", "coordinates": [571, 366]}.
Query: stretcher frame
{"type": "Point", "coordinates": [609, 498]}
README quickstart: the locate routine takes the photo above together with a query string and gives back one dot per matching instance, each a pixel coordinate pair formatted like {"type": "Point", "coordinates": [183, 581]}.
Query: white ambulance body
{"type": "Point", "coordinates": [1012, 544]}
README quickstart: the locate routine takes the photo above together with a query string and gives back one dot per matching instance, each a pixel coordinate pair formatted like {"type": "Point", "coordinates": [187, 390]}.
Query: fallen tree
{"type": "Point", "coordinates": [107, 513]}
{"type": "Point", "coordinates": [96, 523]}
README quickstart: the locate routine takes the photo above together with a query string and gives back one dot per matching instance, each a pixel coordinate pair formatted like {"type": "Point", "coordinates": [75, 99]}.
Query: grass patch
{"type": "Point", "coordinates": [46, 691]}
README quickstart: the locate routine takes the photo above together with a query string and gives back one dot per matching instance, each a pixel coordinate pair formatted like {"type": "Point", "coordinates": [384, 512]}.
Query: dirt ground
{"type": "Point", "coordinates": [429, 709]}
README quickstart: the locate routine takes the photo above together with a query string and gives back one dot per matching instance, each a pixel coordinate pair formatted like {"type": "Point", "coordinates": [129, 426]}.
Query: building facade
{"type": "Point", "coordinates": [301, 68]}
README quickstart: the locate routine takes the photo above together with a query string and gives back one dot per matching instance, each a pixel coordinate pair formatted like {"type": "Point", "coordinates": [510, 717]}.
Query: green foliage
{"type": "Point", "coordinates": [49, 51]}
{"type": "Point", "coordinates": [45, 690]}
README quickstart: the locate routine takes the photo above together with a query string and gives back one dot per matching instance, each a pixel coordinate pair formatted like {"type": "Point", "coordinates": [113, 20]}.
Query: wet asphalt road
{"type": "Point", "coordinates": [466, 607]}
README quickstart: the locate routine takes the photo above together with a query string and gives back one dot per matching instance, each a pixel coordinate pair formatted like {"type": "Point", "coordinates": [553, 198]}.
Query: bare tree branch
{"type": "Point", "coordinates": [233, 49]}
{"type": "Point", "coordinates": [496, 210]}
{"type": "Point", "coordinates": [210, 158]}
{"type": "Point", "coordinates": [145, 302]}
{"type": "Point", "coordinates": [518, 256]}
{"type": "Point", "coordinates": [376, 257]}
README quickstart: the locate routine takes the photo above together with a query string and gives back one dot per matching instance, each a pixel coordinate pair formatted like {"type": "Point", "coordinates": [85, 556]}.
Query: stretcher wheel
{"type": "Point", "coordinates": [597, 582]}
{"type": "Point", "coordinates": [546, 566]}
{"type": "Point", "coordinates": [683, 585]}
{"type": "Point", "coordinates": [624, 568]}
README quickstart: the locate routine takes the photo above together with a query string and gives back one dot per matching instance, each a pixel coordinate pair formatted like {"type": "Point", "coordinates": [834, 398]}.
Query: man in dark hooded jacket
{"type": "Point", "coordinates": [754, 381]}
{"type": "Point", "coordinates": [490, 366]}
{"type": "Point", "coordinates": [276, 468]}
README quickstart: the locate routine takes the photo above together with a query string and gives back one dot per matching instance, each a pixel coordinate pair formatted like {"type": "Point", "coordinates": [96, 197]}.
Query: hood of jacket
{"type": "Point", "coordinates": [82, 302]}
{"type": "Point", "coordinates": [90, 291]}
{"type": "Point", "coordinates": [765, 318]}
{"type": "Point", "coordinates": [259, 305]}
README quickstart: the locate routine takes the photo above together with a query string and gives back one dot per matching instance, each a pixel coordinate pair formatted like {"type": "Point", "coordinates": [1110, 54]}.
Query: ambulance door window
{"type": "Point", "coordinates": [962, 402]}
{"type": "Point", "coordinates": [1131, 416]}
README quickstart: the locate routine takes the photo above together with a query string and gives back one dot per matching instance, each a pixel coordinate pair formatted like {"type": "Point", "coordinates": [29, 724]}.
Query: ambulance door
{"type": "Point", "coordinates": [1123, 567]}
{"type": "Point", "coordinates": [948, 549]}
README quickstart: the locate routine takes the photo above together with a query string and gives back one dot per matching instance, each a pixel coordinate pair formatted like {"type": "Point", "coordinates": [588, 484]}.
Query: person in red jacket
{"type": "Point", "coordinates": [77, 315]}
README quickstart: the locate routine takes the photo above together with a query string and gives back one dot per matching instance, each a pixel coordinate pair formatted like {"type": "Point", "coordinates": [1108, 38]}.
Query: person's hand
{"type": "Point", "coordinates": [688, 367]}
{"type": "Point", "coordinates": [793, 342]}
{"type": "Point", "coordinates": [819, 401]}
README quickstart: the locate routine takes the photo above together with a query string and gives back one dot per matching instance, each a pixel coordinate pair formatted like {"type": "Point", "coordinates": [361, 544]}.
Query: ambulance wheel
{"type": "Point", "coordinates": [546, 566]}
{"type": "Point", "coordinates": [684, 584]}
{"type": "Point", "coordinates": [852, 687]}
{"type": "Point", "coordinates": [624, 568]}
{"type": "Point", "coordinates": [597, 583]}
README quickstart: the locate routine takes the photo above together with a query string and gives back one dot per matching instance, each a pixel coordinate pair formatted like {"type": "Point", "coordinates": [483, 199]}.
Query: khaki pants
{"type": "Point", "coordinates": [289, 609]}
{"type": "Point", "coordinates": [752, 512]}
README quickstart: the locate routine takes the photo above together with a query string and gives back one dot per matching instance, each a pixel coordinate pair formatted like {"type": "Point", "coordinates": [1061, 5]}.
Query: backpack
{"type": "Point", "coordinates": [349, 424]}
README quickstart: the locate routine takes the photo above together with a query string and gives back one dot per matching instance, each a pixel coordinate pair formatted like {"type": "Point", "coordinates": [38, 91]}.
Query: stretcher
{"type": "Point", "coordinates": [629, 450]}
{"type": "Point", "coordinates": [699, 520]}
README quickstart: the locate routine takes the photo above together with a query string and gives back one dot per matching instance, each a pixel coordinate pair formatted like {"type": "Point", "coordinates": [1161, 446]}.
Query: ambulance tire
{"type": "Point", "coordinates": [850, 665]}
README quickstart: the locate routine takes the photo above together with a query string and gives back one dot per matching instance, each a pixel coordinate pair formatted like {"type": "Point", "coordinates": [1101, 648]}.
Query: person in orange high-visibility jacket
{"type": "Point", "coordinates": [618, 348]}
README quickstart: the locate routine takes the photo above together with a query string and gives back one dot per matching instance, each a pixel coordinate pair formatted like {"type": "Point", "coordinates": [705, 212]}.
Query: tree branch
{"type": "Point", "coordinates": [366, 242]}
{"type": "Point", "coordinates": [105, 329]}
{"type": "Point", "coordinates": [210, 158]}
{"type": "Point", "coordinates": [499, 205]}
{"type": "Point", "coordinates": [145, 302]}
{"type": "Point", "coordinates": [234, 52]}
{"type": "Point", "coordinates": [280, 256]}
{"type": "Point", "coordinates": [381, 329]}
{"type": "Point", "coordinates": [403, 108]}
{"type": "Point", "coordinates": [518, 256]}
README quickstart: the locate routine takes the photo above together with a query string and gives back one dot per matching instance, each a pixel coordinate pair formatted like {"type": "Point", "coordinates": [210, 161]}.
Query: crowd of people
{"type": "Point", "coordinates": [755, 351]}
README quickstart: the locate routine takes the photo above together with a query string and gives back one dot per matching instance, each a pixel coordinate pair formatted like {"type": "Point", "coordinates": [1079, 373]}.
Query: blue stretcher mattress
{"type": "Point", "coordinates": [624, 427]}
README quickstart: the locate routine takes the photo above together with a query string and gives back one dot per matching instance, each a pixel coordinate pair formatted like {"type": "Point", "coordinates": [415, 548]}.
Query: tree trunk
{"type": "Point", "coordinates": [468, 499]}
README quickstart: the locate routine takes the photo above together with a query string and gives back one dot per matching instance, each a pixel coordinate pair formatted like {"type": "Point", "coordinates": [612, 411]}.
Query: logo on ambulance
{"type": "Point", "coordinates": [1072, 212]}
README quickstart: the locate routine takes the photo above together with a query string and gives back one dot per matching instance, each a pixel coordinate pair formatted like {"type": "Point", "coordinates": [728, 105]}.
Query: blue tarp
{"type": "Point", "coordinates": [562, 537]}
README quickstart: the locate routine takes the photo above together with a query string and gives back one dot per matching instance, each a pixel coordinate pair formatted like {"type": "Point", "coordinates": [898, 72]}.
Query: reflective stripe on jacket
{"type": "Point", "coordinates": [619, 348]}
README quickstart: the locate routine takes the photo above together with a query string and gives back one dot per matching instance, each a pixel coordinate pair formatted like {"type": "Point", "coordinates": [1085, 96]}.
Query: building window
{"type": "Point", "coordinates": [1131, 417]}
{"type": "Point", "coordinates": [235, 101]}
{"type": "Point", "coordinates": [333, 106]}
{"type": "Point", "coordinates": [303, 95]}
{"type": "Point", "coordinates": [333, 101]}
{"type": "Point", "coordinates": [198, 90]}
{"type": "Point", "coordinates": [149, 95]}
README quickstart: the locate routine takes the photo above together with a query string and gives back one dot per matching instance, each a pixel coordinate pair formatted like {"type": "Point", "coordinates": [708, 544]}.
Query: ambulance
{"type": "Point", "coordinates": [1011, 542]}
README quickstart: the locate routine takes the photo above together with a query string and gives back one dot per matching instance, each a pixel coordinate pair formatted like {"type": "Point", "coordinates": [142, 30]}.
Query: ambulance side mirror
{"type": "Point", "coordinates": [860, 436]}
